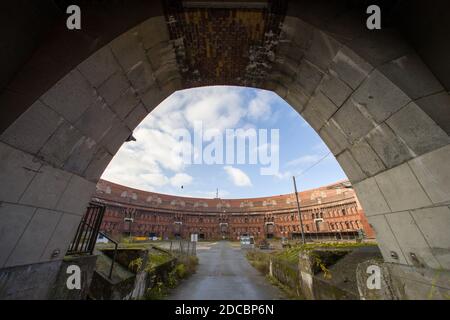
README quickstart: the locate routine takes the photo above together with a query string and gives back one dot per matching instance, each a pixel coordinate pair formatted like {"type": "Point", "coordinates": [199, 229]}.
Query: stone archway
{"type": "Point", "coordinates": [379, 100]}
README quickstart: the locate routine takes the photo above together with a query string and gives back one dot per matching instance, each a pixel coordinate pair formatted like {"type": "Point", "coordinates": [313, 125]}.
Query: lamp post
{"type": "Point", "coordinates": [298, 210]}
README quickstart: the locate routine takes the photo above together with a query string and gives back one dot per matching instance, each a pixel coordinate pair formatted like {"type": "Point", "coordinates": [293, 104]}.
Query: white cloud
{"type": "Point", "coordinates": [239, 177]}
{"type": "Point", "coordinates": [181, 179]}
{"type": "Point", "coordinates": [259, 107]}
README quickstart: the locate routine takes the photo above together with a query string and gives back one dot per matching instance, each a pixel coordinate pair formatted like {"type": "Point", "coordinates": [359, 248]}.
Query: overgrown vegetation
{"type": "Point", "coordinates": [185, 266]}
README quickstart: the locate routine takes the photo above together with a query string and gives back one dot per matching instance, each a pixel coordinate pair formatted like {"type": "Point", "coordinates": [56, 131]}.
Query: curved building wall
{"type": "Point", "coordinates": [331, 211]}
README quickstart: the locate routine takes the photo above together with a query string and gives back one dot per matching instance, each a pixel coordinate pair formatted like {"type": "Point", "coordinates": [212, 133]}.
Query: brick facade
{"type": "Point", "coordinates": [328, 212]}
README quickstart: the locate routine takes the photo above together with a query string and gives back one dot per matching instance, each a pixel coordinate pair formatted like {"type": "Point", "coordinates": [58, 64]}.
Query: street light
{"type": "Point", "coordinates": [298, 210]}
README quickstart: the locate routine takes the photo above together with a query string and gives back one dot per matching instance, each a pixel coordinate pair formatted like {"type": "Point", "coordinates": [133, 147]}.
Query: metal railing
{"type": "Point", "coordinates": [116, 245]}
{"type": "Point", "coordinates": [183, 247]}
{"type": "Point", "coordinates": [88, 229]}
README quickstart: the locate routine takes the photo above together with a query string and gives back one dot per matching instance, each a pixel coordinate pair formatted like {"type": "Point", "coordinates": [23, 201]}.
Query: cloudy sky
{"type": "Point", "coordinates": [155, 161]}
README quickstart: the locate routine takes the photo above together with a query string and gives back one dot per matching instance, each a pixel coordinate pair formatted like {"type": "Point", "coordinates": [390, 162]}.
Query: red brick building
{"type": "Point", "coordinates": [329, 212]}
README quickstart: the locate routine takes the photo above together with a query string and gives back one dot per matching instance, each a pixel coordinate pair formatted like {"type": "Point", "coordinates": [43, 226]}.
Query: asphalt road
{"type": "Point", "coordinates": [224, 273]}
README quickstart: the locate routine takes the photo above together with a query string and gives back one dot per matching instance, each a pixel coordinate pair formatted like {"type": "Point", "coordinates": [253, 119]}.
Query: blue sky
{"type": "Point", "coordinates": [151, 164]}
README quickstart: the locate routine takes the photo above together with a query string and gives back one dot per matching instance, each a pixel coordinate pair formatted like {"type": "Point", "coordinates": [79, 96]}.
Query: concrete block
{"type": "Point", "coordinates": [412, 76]}
{"type": "Point", "coordinates": [141, 77]}
{"type": "Point", "coordinates": [115, 137]}
{"type": "Point", "coordinates": [96, 121]}
{"type": "Point", "coordinates": [13, 221]}
{"type": "Point", "coordinates": [126, 102]}
{"type": "Point", "coordinates": [127, 49]}
{"type": "Point", "coordinates": [352, 121]}
{"type": "Point", "coordinates": [113, 88]}
{"type": "Point", "coordinates": [32, 129]}
{"type": "Point", "coordinates": [17, 169]}
{"type": "Point", "coordinates": [290, 50]}
{"type": "Point", "coordinates": [61, 237]}
{"type": "Point", "coordinates": [334, 137]}
{"type": "Point", "coordinates": [418, 130]}
{"type": "Point", "coordinates": [167, 72]}
{"type": "Point", "coordinates": [80, 156]}
{"type": "Point", "coordinates": [153, 97]}
{"type": "Point", "coordinates": [392, 150]}
{"type": "Point", "coordinates": [97, 165]}
{"type": "Point", "coordinates": [61, 144]}
{"type": "Point", "coordinates": [161, 54]}
{"type": "Point", "coordinates": [71, 96]}
{"type": "Point", "coordinates": [99, 66]}
{"type": "Point", "coordinates": [351, 167]}
{"type": "Point", "coordinates": [318, 110]}
{"type": "Point", "coordinates": [367, 159]}
{"type": "Point", "coordinates": [437, 106]}
{"type": "Point", "coordinates": [322, 50]}
{"type": "Point", "coordinates": [35, 238]}
{"type": "Point", "coordinates": [46, 188]}
{"type": "Point", "coordinates": [434, 223]}
{"type": "Point", "coordinates": [371, 198]}
{"type": "Point", "coordinates": [433, 172]}
{"type": "Point", "coordinates": [136, 116]}
{"type": "Point", "coordinates": [153, 31]}
{"type": "Point", "coordinates": [309, 76]}
{"type": "Point", "coordinates": [76, 196]}
{"type": "Point", "coordinates": [335, 89]}
{"type": "Point", "coordinates": [411, 240]}
{"type": "Point", "coordinates": [296, 96]}
{"type": "Point", "coordinates": [386, 240]}
{"type": "Point", "coordinates": [380, 97]}
{"type": "Point", "coordinates": [350, 68]}
{"type": "Point", "coordinates": [401, 189]}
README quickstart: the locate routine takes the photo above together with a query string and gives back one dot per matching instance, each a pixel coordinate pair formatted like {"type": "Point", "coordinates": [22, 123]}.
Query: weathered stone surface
{"type": "Point", "coordinates": [437, 106]}
{"type": "Point", "coordinates": [113, 88]}
{"type": "Point", "coordinates": [116, 137]}
{"type": "Point", "coordinates": [61, 237]}
{"type": "Point", "coordinates": [433, 172]}
{"type": "Point", "coordinates": [418, 130]}
{"type": "Point", "coordinates": [318, 110]}
{"type": "Point", "coordinates": [350, 67]}
{"type": "Point", "coordinates": [434, 224]}
{"type": "Point", "coordinates": [367, 159]}
{"type": "Point", "coordinates": [35, 238]}
{"type": "Point", "coordinates": [386, 240]}
{"type": "Point", "coordinates": [13, 221]}
{"type": "Point", "coordinates": [153, 31]}
{"type": "Point", "coordinates": [297, 31]}
{"type": "Point", "coordinates": [388, 146]}
{"type": "Point", "coordinates": [334, 137]}
{"type": "Point", "coordinates": [97, 165]}
{"type": "Point", "coordinates": [411, 240]}
{"type": "Point", "coordinates": [127, 49]}
{"type": "Point", "coordinates": [99, 67]}
{"type": "Point", "coordinates": [33, 128]}
{"type": "Point", "coordinates": [136, 116]}
{"type": "Point", "coordinates": [352, 121]}
{"type": "Point", "coordinates": [335, 89]}
{"type": "Point", "coordinates": [76, 196]}
{"type": "Point", "coordinates": [17, 169]}
{"type": "Point", "coordinates": [322, 50]}
{"type": "Point", "coordinates": [296, 96]}
{"type": "Point", "coordinates": [401, 189]}
{"type": "Point", "coordinates": [81, 155]}
{"type": "Point", "coordinates": [71, 96]}
{"type": "Point", "coordinates": [371, 198]}
{"type": "Point", "coordinates": [309, 76]}
{"type": "Point", "coordinates": [351, 167]}
{"type": "Point", "coordinates": [412, 76]}
{"type": "Point", "coordinates": [380, 97]}
{"type": "Point", "coordinates": [46, 188]}
{"type": "Point", "coordinates": [141, 77]}
{"type": "Point", "coordinates": [61, 144]}
{"type": "Point", "coordinates": [127, 101]}
{"type": "Point", "coordinates": [96, 121]}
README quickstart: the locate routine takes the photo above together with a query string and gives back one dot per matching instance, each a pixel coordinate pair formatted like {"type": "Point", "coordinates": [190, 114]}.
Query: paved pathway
{"type": "Point", "coordinates": [224, 273]}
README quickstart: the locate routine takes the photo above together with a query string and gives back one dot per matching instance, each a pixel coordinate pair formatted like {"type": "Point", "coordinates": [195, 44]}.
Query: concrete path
{"type": "Point", "coordinates": [224, 273]}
